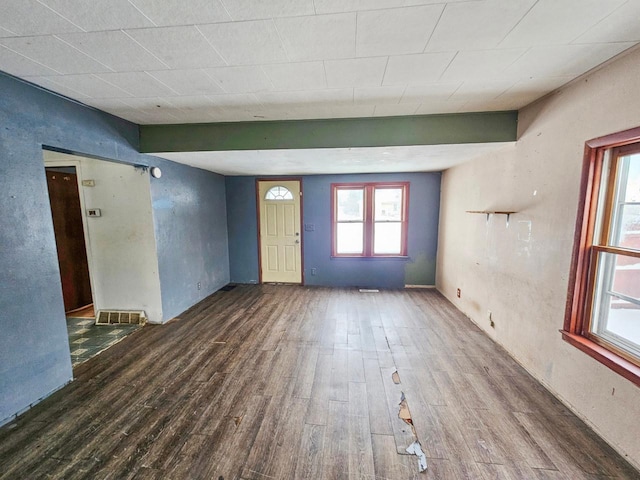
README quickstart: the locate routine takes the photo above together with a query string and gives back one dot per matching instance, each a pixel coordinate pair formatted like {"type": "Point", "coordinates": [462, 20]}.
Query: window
{"type": "Point", "coordinates": [603, 315]}
{"type": "Point", "coordinates": [278, 193]}
{"type": "Point", "coordinates": [370, 219]}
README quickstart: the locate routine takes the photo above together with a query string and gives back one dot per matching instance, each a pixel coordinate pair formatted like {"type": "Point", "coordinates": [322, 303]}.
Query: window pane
{"type": "Point", "coordinates": [278, 193]}
{"type": "Point", "coordinates": [617, 304]}
{"type": "Point", "coordinates": [350, 204]}
{"type": "Point", "coordinates": [387, 238]}
{"type": "Point", "coordinates": [629, 227]}
{"type": "Point", "coordinates": [388, 204]}
{"type": "Point", "coordinates": [350, 238]}
{"type": "Point", "coordinates": [625, 228]}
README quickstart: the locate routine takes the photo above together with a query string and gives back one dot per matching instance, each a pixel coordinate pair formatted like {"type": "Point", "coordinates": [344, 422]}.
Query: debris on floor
{"type": "Point", "coordinates": [404, 414]}
{"type": "Point", "coordinates": [416, 449]}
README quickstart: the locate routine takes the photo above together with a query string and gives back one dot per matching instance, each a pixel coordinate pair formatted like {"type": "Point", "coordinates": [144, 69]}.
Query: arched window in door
{"type": "Point", "coordinates": [278, 193]}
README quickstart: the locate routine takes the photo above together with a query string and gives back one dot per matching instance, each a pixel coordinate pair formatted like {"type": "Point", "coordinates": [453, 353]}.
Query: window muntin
{"type": "Point", "coordinates": [370, 219]}
{"type": "Point", "coordinates": [278, 193]}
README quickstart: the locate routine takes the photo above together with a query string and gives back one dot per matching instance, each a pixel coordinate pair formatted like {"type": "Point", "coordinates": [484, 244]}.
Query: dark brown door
{"type": "Point", "coordinates": [67, 224]}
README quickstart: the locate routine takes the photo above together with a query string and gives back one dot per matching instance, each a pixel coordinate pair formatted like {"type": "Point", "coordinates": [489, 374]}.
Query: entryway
{"type": "Point", "coordinates": [101, 214]}
{"type": "Point", "coordinates": [279, 231]}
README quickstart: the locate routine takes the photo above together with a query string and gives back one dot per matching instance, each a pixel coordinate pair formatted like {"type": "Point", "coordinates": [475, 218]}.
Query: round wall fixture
{"type": "Point", "coordinates": [155, 172]}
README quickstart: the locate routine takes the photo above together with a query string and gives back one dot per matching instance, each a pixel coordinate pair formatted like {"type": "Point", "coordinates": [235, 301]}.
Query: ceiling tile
{"type": "Point", "coordinates": [260, 9]}
{"type": "Point", "coordinates": [100, 14]}
{"type": "Point", "coordinates": [240, 79]}
{"type": "Point", "coordinates": [89, 85]}
{"type": "Point", "coordinates": [234, 100]}
{"type": "Point", "coordinates": [244, 113]}
{"type": "Point", "coordinates": [54, 53]}
{"type": "Point", "coordinates": [476, 25]}
{"type": "Point", "coordinates": [437, 106]}
{"type": "Point", "coordinates": [328, 111]}
{"type": "Point", "coordinates": [178, 12]}
{"type": "Point", "coordinates": [391, 110]}
{"type": "Point", "coordinates": [187, 82]}
{"type": "Point", "coordinates": [561, 22]}
{"type": "Point", "coordinates": [304, 98]}
{"type": "Point", "coordinates": [20, 66]}
{"type": "Point", "coordinates": [30, 17]}
{"type": "Point", "coordinates": [318, 37]}
{"type": "Point", "coordinates": [150, 102]}
{"type": "Point", "coordinates": [395, 31]}
{"type": "Point", "coordinates": [246, 43]}
{"type": "Point", "coordinates": [356, 72]}
{"type": "Point", "coordinates": [620, 26]}
{"type": "Point", "coordinates": [296, 76]}
{"type": "Point", "coordinates": [178, 47]}
{"type": "Point", "coordinates": [528, 90]}
{"type": "Point", "coordinates": [337, 6]}
{"type": "Point", "coordinates": [115, 49]}
{"type": "Point", "coordinates": [563, 60]}
{"type": "Point", "coordinates": [472, 91]}
{"type": "Point", "coordinates": [190, 102]}
{"type": "Point", "coordinates": [138, 84]}
{"type": "Point", "coordinates": [479, 65]}
{"type": "Point", "coordinates": [377, 95]}
{"type": "Point", "coordinates": [54, 87]}
{"type": "Point", "coordinates": [419, 69]}
{"type": "Point", "coordinates": [109, 105]}
{"type": "Point", "coordinates": [420, 94]}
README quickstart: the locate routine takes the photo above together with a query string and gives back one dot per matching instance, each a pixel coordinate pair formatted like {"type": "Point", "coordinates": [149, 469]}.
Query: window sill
{"type": "Point", "coordinates": [608, 358]}
{"type": "Point", "coordinates": [377, 257]}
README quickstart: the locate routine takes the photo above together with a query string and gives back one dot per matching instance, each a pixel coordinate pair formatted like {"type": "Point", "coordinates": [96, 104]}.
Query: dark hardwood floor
{"type": "Point", "coordinates": [283, 382]}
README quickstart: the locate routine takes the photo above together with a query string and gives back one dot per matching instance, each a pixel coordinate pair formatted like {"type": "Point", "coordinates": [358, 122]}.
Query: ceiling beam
{"type": "Point", "coordinates": [459, 128]}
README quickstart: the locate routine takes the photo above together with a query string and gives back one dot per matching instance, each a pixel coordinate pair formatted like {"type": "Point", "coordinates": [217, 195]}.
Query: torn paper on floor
{"type": "Point", "coordinates": [416, 449]}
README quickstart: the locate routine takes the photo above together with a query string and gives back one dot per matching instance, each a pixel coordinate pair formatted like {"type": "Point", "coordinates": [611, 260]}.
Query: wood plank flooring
{"type": "Point", "coordinates": [285, 382]}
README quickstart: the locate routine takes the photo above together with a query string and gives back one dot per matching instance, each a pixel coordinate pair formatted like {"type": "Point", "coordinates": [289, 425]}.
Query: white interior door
{"type": "Point", "coordinates": [280, 237]}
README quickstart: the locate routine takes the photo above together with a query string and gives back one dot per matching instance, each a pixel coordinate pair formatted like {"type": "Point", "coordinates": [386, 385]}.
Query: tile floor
{"type": "Point", "coordinates": [86, 339]}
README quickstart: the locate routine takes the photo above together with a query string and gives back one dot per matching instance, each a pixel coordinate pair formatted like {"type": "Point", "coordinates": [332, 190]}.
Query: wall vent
{"type": "Point", "coordinates": [116, 317]}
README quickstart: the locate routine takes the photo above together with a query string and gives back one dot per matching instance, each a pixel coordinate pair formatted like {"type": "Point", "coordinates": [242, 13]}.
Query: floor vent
{"type": "Point", "coordinates": [369, 290]}
{"type": "Point", "coordinates": [117, 317]}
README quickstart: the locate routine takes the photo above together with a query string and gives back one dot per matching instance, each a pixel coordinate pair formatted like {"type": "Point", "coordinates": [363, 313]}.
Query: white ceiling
{"type": "Point", "coordinates": [414, 158]}
{"type": "Point", "coordinates": [187, 61]}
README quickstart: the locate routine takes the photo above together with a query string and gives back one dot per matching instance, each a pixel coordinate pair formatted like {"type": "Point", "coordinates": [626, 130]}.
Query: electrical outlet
{"type": "Point", "coordinates": [458, 293]}
{"type": "Point", "coordinates": [199, 286]}
{"type": "Point", "coordinates": [314, 271]}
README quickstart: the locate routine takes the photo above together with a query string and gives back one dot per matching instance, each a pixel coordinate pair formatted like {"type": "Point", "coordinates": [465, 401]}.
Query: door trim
{"type": "Point", "coordinates": [257, 191]}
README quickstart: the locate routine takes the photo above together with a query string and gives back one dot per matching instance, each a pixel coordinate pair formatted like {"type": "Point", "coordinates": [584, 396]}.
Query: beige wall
{"type": "Point", "coordinates": [121, 246]}
{"type": "Point", "coordinates": [520, 272]}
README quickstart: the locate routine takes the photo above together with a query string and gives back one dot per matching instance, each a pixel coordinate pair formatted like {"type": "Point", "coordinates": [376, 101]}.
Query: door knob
{"type": "Point", "coordinates": [297, 241]}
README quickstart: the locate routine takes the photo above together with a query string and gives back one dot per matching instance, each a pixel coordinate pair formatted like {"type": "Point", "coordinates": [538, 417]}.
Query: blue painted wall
{"type": "Point", "coordinates": [34, 350]}
{"type": "Point", "coordinates": [190, 220]}
{"type": "Point", "coordinates": [242, 226]}
{"type": "Point", "coordinates": [418, 269]}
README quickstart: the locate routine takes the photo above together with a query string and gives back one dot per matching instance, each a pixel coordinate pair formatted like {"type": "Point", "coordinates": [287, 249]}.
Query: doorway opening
{"type": "Point", "coordinates": [90, 251]}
